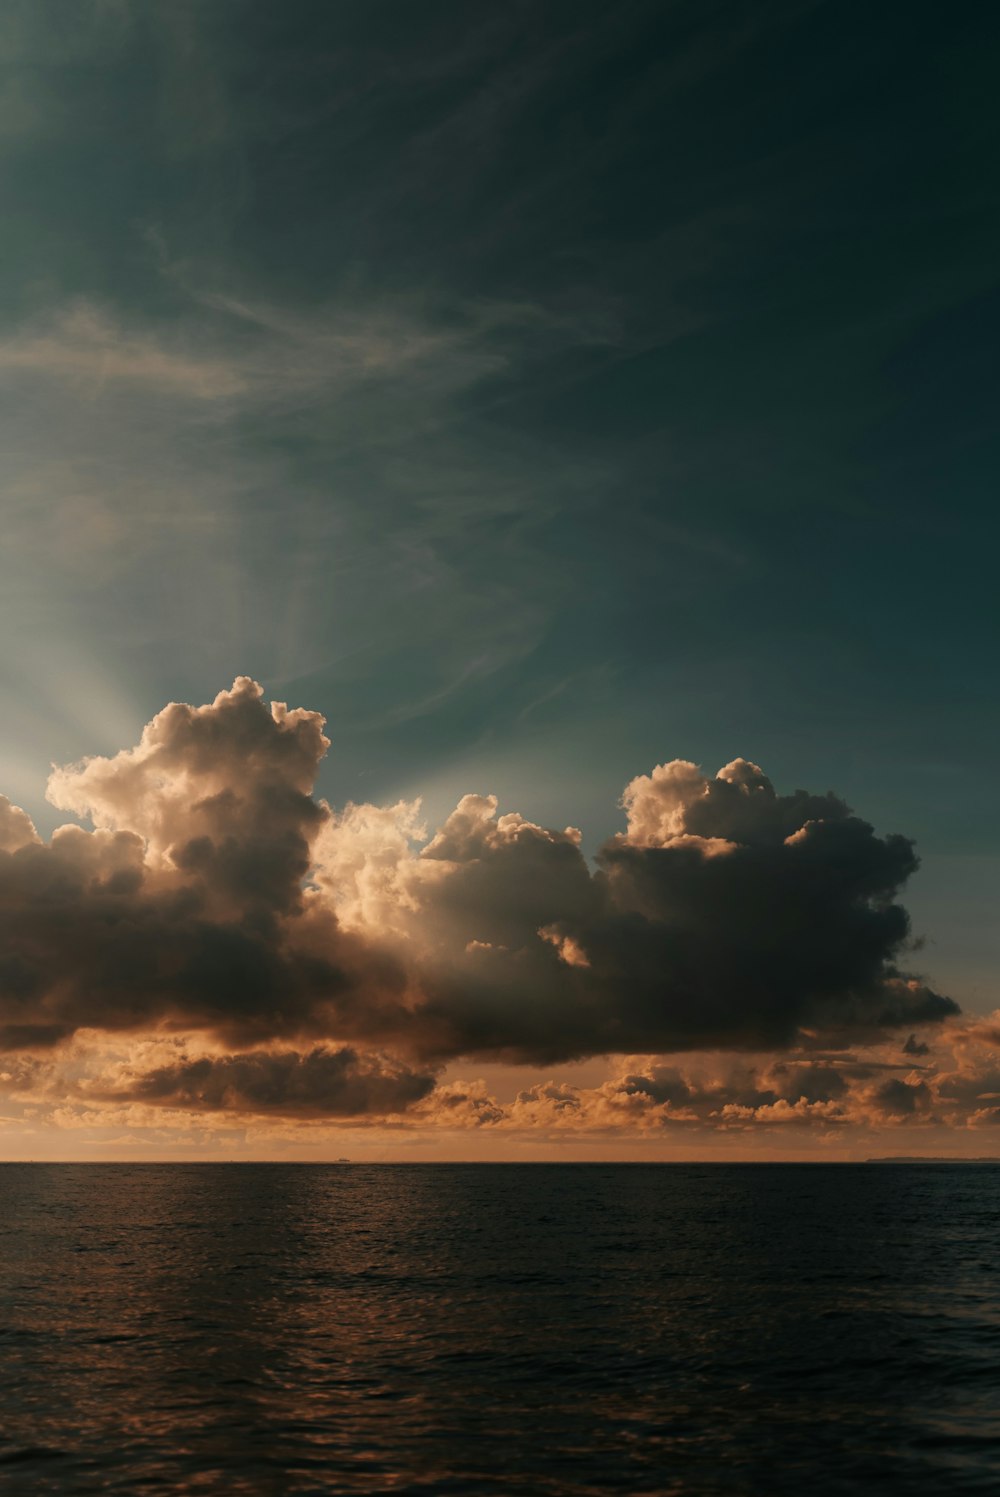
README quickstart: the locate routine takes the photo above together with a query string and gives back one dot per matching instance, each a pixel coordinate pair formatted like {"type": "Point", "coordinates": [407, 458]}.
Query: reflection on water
{"type": "Point", "coordinates": [272, 1329]}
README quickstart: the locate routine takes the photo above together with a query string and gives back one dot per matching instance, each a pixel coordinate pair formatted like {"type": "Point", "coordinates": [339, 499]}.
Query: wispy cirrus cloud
{"type": "Point", "coordinates": [85, 347]}
{"type": "Point", "coordinates": [235, 351]}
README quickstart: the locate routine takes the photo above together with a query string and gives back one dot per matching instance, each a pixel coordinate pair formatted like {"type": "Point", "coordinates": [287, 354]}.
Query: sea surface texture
{"type": "Point", "coordinates": [273, 1329]}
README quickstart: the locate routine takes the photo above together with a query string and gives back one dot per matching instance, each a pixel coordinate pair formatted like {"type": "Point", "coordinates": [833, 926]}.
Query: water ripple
{"type": "Point", "coordinates": [270, 1330]}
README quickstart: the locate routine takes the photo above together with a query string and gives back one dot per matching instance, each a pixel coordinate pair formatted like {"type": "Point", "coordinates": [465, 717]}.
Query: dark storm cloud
{"type": "Point", "coordinates": [318, 1083]}
{"type": "Point", "coordinates": [82, 953]}
{"type": "Point", "coordinates": [685, 938]}
{"type": "Point", "coordinates": [902, 1099]}
{"type": "Point", "coordinates": [661, 1084]}
{"type": "Point", "coordinates": [217, 895]}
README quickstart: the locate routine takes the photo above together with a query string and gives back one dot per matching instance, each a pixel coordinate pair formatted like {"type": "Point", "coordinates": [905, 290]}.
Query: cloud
{"type": "Point", "coordinates": [320, 1083]}
{"type": "Point", "coordinates": [184, 908]}
{"type": "Point", "coordinates": [343, 958]}
{"type": "Point", "coordinates": [16, 828]}
{"type": "Point", "coordinates": [82, 345]}
{"type": "Point", "coordinates": [222, 792]}
{"type": "Point", "coordinates": [698, 1096]}
{"type": "Point", "coordinates": [676, 802]}
{"type": "Point", "coordinates": [462, 1104]}
{"type": "Point", "coordinates": [902, 1098]}
{"type": "Point", "coordinates": [724, 915]}
{"type": "Point", "coordinates": [244, 353]}
{"type": "Point", "coordinates": [709, 1093]}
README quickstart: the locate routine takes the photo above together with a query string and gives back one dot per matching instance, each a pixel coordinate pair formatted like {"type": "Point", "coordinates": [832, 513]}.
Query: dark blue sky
{"type": "Point", "coordinates": [541, 391]}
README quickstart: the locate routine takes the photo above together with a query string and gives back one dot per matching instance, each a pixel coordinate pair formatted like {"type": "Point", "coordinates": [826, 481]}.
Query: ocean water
{"type": "Point", "coordinates": [273, 1329]}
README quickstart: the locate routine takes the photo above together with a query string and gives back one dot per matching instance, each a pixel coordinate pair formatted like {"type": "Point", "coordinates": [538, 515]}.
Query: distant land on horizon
{"type": "Point", "coordinates": [933, 1159]}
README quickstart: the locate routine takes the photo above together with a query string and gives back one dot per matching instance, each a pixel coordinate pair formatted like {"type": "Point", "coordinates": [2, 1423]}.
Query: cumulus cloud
{"type": "Point", "coordinates": [726, 914]}
{"type": "Point", "coordinates": [16, 828]}
{"type": "Point", "coordinates": [185, 906]}
{"type": "Point", "coordinates": [222, 792]}
{"type": "Point", "coordinates": [344, 957]}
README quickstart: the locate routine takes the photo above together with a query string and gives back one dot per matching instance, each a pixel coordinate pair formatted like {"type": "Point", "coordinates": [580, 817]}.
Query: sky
{"type": "Point", "coordinates": [587, 410]}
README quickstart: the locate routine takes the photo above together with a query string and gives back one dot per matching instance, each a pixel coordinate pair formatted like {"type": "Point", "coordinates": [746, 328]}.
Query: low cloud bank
{"type": "Point", "coordinates": [319, 1083]}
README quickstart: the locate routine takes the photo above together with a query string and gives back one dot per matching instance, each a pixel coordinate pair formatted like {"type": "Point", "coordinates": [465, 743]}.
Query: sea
{"type": "Point", "coordinates": [539, 1328]}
